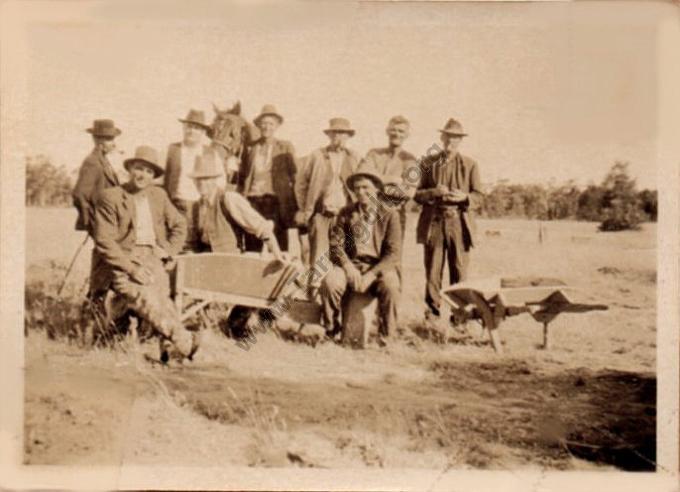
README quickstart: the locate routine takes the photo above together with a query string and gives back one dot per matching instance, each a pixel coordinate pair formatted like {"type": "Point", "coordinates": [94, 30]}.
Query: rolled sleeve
{"type": "Point", "coordinates": [246, 216]}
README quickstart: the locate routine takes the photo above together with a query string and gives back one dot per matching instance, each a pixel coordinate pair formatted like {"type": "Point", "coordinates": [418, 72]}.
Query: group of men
{"type": "Point", "coordinates": [353, 211]}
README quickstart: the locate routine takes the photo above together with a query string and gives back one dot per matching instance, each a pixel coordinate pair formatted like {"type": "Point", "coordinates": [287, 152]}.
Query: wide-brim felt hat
{"type": "Point", "coordinates": [196, 117]}
{"type": "Point", "coordinates": [104, 128]}
{"type": "Point", "coordinates": [148, 156]}
{"type": "Point", "coordinates": [268, 110]}
{"type": "Point", "coordinates": [339, 125]}
{"type": "Point", "coordinates": [206, 166]}
{"type": "Point", "coordinates": [453, 127]}
{"type": "Point", "coordinates": [367, 174]}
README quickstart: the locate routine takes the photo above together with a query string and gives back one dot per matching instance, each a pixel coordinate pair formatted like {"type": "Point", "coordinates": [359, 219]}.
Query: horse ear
{"type": "Point", "coordinates": [236, 109]}
{"type": "Point", "coordinates": [216, 109]}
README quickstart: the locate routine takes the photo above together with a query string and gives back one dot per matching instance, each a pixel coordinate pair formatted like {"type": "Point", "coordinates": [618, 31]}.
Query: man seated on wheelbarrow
{"type": "Point", "coordinates": [365, 249]}
{"type": "Point", "coordinates": [221, 218]}
{"type": "Point", "coordinates": [137, 229]}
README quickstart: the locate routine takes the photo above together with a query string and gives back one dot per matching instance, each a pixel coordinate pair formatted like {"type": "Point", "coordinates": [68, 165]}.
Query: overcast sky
{"type": "Point", "coordinates": [554, 91]}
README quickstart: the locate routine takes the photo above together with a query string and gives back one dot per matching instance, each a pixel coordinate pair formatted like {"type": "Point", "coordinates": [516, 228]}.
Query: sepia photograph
{"type": "Point", "coordinates": [362, 245]}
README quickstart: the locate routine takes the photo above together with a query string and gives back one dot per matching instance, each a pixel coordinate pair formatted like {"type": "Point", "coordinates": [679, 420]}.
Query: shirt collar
{"type": "Point", "coordinates": [451, 157]}
{"type": "Point", "coordinates": [327, 149]}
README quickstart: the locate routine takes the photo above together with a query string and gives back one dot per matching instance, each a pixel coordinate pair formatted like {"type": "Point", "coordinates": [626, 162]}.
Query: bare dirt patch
{"type": "Point", "coordinates": [425, 401]}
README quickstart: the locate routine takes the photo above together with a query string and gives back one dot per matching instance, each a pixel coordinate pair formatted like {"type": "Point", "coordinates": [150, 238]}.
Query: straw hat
{"type": "Point", "coordinates": [339, 125]}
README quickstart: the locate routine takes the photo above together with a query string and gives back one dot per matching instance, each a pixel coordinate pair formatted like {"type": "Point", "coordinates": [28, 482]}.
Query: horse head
{"type": "Point", "coordinates": [231, 132]}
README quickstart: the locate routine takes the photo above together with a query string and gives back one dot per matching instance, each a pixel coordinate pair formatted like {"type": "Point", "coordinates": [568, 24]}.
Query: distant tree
{"type": "Point", "coordinates": [563, 201]}
{"type": "Point", "coordinates": [620, 202]}
{"type": "Point", "coordinates": [535, 201]}
{"type": "Point", "coordinates": [497, 200]}
{"type": "Point", "coordinates": [615, 202]}
{"type": "Point", "coordinates": [46, 184]}
{"type": "Point", "coordinates": [590, 203]}
{"type": "Point", "coordinates": [649, 203]}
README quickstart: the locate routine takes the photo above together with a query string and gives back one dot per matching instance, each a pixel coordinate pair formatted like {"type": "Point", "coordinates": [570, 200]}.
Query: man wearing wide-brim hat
{"type": "Point", "coordinates": [221, 219]}
{"type": "Point", "coordinates": [95, 175]}
{"type": "Point", "coordinates": [449, 191]}
{"type": "Point", "coordinates": [267, 178]}
{"type": "Point", "coordinates": [321, 188]}
{"type": "Point", "coordinates": [137, 230]}
{"type": "Point", "coordinates": [181, 158]}
{"type": "Point", "coordinates": [365, 249]}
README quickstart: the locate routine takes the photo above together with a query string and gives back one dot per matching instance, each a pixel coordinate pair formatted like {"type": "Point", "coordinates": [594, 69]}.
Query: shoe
{"type": "Point", "coordinates": [434, 320]}
{"type": "Point", "coordinates": [333, 333]}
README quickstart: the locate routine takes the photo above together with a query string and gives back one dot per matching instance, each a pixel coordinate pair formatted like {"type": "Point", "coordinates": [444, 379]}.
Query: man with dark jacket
{"type": "Point", "coordinates": [365, 249]}
{"type": "Point", "coordinates": [449, 189]}
{"type": "Point", "coordinates": [267, 178]}
{"type": "Point", "coordinates": [180, 161]}
{"type": "Point", "coordinates": [137, 231]}
{"type": "Point", "coordinates": [96, 174]}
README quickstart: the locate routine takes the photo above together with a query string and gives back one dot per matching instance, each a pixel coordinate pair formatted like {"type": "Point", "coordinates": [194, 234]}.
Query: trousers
{"type": "Point", "coordinates": [445, 244]}
{"type": "Point", "coordinates": [319, 245]}
{"type": "Point", "coordinates": [186, 207]}
{"type": "Point", "coordinates": [152, 301]}
{"type": "Point", "coordinates": [268, 207]}
{"type": "Point", "coordinates": [386, 288]}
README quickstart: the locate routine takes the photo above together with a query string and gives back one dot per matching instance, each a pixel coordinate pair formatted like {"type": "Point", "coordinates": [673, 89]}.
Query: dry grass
{"type": "Point", "coordinates": [430, 399]}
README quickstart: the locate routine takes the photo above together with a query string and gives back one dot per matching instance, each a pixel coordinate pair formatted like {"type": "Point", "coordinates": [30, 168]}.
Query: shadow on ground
{"type": "Point", "coordinates": [477, 413]}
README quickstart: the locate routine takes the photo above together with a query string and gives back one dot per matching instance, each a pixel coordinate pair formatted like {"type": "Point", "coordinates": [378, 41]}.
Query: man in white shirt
{"type": "Point", "coordinates": [137, 230]}
{"type": "Point", "coordinates": [181, 161]}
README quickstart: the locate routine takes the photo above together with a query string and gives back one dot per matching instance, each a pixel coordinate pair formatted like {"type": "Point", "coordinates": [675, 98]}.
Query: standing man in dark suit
{"type": "Point", "coordinates": [96, 174]}
{"type": "Point", "coordinates": [449, 189]}
{"type": "Point", "coordinates": [137, 232]}
{"type": "Point", "coordinates": [267, 178]}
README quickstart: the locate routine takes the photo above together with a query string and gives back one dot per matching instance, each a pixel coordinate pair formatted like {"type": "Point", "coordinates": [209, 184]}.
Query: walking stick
{"type": "Point", "coordinates": [70, 267]}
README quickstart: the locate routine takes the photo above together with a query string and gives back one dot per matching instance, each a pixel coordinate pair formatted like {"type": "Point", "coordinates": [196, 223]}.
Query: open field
{"type": "Point", "coordinates": [589, 402]}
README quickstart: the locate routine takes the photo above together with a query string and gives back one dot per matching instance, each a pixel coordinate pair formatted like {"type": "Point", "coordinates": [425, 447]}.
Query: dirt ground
{"type": "Point", "coordinates": [588, 403]}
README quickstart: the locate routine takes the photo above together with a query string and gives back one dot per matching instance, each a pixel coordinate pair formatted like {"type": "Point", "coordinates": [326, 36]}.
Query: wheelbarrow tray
{"type": "Point", "coordinates": [535, 294]}
{"type": "Point", "coordinates": [492, 300]}
{"type": "Point", "coordinates": [245, 280]}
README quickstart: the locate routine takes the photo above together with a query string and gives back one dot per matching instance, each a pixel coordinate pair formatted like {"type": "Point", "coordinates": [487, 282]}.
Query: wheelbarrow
{"type": "Point", "coordinates": [242, 280]}
{"type": "Point", "coordinates": [490, 301]}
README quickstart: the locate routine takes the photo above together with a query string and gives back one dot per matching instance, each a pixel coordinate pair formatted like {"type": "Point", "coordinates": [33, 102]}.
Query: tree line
{"type": "Point", "coordinates": [46, 184]}
{"type": "Point", "coordinates": [616, 202]}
